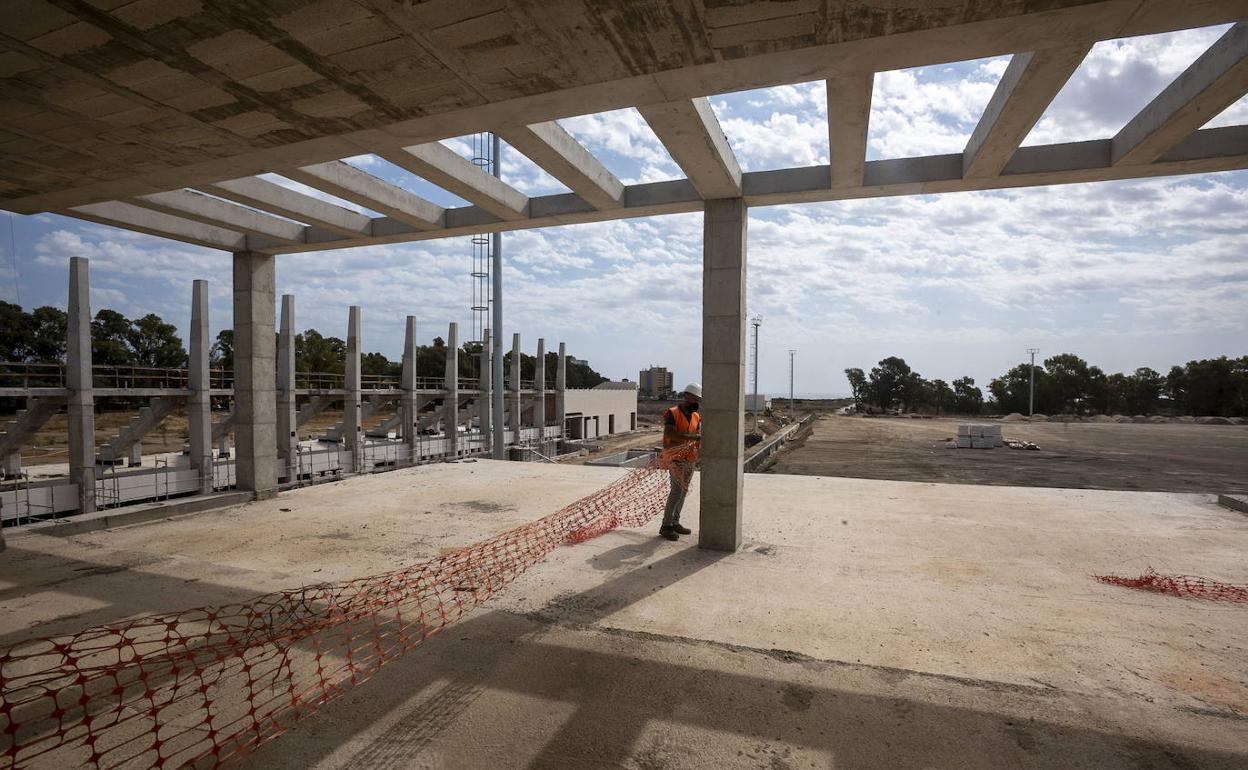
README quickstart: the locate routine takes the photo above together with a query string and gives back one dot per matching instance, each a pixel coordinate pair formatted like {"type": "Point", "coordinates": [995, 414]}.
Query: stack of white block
{"type": "Point", "coordinates": [979, 436]}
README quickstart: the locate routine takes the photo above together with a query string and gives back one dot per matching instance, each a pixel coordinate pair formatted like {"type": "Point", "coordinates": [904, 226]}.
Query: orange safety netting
{"type": "Point", "coordinates": [199, 687]}
{"type": "Point", "coordinates": [1186, 586]}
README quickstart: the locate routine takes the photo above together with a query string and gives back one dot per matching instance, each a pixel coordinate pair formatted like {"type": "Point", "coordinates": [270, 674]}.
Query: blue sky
{"type": "Point", "coordinates": [1125, 274]}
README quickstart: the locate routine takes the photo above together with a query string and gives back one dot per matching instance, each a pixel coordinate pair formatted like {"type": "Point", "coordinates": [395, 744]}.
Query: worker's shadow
{"type": "Point", "coordinates": [632, 554]}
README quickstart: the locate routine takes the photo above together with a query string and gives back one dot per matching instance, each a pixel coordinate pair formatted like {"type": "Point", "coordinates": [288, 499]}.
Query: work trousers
{"type": "Point", "coordinates": [681, 475]}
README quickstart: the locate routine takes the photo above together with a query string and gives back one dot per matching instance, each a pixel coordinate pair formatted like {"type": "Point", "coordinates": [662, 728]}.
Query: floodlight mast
{"type": "Point", "coordinates": [1031, 391]}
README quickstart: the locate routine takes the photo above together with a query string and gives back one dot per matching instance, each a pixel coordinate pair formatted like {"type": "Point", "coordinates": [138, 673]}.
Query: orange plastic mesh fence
{"type": "Point", "coordinates": [1187, 586]}
{"type": "Point", "coordinates": [199, 687]}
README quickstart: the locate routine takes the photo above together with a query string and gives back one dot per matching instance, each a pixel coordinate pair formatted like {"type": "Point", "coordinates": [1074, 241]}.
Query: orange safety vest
{"type": "Point", "coordinates": [690, 424]}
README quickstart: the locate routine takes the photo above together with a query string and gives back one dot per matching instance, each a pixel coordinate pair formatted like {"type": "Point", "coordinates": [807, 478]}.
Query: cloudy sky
{"type": "Point", "coordinates": [1125, 274]}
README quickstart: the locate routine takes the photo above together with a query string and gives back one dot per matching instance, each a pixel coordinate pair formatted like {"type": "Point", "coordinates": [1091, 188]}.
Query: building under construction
{"type": "Point", "coordinates": [464, 610]}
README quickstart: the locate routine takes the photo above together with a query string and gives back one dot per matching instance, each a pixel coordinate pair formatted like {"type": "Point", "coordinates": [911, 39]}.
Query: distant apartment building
{"type": "Point", "coordinates": [655, 382]}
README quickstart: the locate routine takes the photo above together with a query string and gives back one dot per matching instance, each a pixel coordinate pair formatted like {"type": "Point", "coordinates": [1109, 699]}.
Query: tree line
{"type": "Point", "coordinates": [1065, 384]}
{"type": "Point", "coordinates": [40, 337]}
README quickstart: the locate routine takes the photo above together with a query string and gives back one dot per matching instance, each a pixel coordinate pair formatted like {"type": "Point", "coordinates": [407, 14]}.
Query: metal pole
{"type": "Point", "coordinates": [496, 285]}
{"type": "Point", "coordinates": [1031, 391]}
{"type": "Point", "coordinates": [792, 411]}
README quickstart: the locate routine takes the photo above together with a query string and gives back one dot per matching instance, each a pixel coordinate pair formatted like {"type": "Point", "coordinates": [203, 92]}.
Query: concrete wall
{"type": "Point", "coordinates": [603, 405]}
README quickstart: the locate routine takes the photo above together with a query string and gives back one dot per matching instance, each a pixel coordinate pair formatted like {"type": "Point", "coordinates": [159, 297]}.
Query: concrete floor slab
{"type": "Point", "coordinates": [865, 624]}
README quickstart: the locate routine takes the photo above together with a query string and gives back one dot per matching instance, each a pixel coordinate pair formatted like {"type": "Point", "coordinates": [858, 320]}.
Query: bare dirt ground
{"type": "Point", "coordinates": [1156, 458]}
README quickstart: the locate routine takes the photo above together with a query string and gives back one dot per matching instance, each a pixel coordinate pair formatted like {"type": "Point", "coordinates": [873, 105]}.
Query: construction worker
{"type": "Point", "coordinates": [682, 426]}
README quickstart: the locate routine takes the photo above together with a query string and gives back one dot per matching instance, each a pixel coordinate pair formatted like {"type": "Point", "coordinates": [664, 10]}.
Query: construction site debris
{"type": "Point", "coordinates": [1014, 443]}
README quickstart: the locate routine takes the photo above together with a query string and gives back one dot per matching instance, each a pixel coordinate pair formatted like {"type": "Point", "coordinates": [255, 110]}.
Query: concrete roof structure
{"type": "Point", "coordinates": [157, 116]}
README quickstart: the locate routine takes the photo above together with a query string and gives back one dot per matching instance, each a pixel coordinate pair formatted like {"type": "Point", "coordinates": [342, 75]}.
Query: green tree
{"type": "Point", "coordinates": [1142, 390]}
{"type": "Point", "coordinates": [889, 382]}
{"type": "Point", "coordinates": [315, 352]}
{"type": "Point", "coordinates": [222, 353]}
{"type": "Point", "coordinates": [48, 330]}
{"type": "Point", "coordinates": [1009, 391]}
{"type": "Point", "coordinates": [940, 396]}
{"type": "Point", "coordinates": [14, 331]}
{"type": "Point", "coordinates": [1068, 384]}
{"type": "Point", "coordinates": [858, 386]}
{"type": "Point", "coordinates": [155, 343]}
{"type": "Point", "coordinates": [968, 399]}
{"type": "Point", "coordinates": [110, 339]}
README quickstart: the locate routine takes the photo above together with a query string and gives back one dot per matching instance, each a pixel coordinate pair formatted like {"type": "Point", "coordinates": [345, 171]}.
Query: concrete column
{"type": "Point", "coordinates": [450, 418]}
{"type": "Point", "coordinates": [723, 374]}
{"type": "Point", "coordinates": [561, 386]}
{"type": "Point", "coordinates": [352, 430]}
{"type": "Point", "coordinates": [199, 405]}
{"type": "Point", "coordinates": [255, 376]}
{"type": "Point", "coordinates": [483, 400]}
{"type": "Point", "coordinates": [287, 435]}
{"type": "Point", "coordinates": [516, 422]}
{"type": "Point", "coordinates": [407, 403]}
{"type": "Point", "coordinates": [539, 395]}
{"type": "Point", "coordinates": [78, 380]}
{"type": "Point", "coordinates": [13, 464]}
{"type": "Point", "coordinates": [134, 457]}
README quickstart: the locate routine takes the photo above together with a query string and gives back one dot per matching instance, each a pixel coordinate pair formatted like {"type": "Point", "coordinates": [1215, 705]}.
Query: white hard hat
{"type": "Point", "coordinates": [694, 389]}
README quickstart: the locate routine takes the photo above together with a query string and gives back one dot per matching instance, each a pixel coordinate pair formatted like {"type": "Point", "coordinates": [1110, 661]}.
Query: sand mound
{"type": "Point", "coordinates": [1213, 421]}
{"type": "Point", "coordinates": [1013, 417]}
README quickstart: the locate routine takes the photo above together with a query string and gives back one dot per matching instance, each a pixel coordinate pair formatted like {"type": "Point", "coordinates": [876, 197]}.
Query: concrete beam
{"type": "Point", "coordinates": [1211, 84]}
{"type": "Point", "coordinates": [79, 381]}
{"type": "Point", "coordinates": [1023, 94]}
{"type": "Point", "coordinates": [849, 117]}
{"type": "Point", "coordinates": [450, 405]}
{"type": "Point", "coordinates": [692, 136]}
{"type": "Point", "coordinates": [255, 376]}
{"type": "Point", "coordinates": [564, 158]}
{"type": "Point", "coordinates": [143, 220]}
{"type": "Point", "coordinates": [361, 188]}
{"type": "Point", "coordinates": [352, 420]}
{"type": "Point", "coordinates": [198, 207]}
{"type": "Point", "coordinates": [263, 194]}
{"type": "Point", "coordinates": [287, 434]}
{"type": "Point", "coordinates": [723, 374]}
{"type": "Point", "coordinates": [449, 170]}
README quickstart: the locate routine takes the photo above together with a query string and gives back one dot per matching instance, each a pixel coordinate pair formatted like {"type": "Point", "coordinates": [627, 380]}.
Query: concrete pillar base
{"type": "Point", "coordinates": [255, 375]}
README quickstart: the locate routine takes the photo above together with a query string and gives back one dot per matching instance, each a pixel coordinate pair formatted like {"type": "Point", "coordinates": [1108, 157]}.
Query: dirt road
{"type": "Point", "coordinates": [1159, 458]}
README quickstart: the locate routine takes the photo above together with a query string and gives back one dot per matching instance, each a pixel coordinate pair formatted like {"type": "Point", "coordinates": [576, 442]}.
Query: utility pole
{"type": "Point", "coordinates": [756, 322]}
{"type": "Point", "coordinates": [792, 411]}
{"type": "Point", "coordinates": [1031, 392]}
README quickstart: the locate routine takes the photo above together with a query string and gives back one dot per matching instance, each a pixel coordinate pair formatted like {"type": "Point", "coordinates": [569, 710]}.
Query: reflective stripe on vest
{"type": "Point", "coordinates": [684, 424]}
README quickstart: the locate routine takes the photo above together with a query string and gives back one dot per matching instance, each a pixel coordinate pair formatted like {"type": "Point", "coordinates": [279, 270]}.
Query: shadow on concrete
{"type": "Point", "coordinates": [683, 689]}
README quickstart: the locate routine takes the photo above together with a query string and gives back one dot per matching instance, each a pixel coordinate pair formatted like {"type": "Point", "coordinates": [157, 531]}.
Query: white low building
{"type": "Point", "coordinates": [611, 407]}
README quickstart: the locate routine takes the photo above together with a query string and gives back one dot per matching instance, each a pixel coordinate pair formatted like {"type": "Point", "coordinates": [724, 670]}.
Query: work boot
{"type": "Point", "coordinates": [681, 530]}
{"type": "Point", "coordinates": [669, 533]}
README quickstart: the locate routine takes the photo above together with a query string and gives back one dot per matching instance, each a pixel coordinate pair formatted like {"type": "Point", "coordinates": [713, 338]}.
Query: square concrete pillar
{"type": "Point", "coordinates": [79, 381]}
{"type": "Point", "coordinates": [539, 395]}
{"type": "Point", "coordinates": [199, 405]}
{"type": "Point", "coordinates": [450, 417]}
{"type": "Point", "coordinates": [352, 417]}
{"type": "Point", "coordinates": [723, 374]}
{"type": "Point", "coordinates": [287, 434]}
{"type": "Point", "coordinates": [561, 386]}
{"type": "Point", "coordinates": [408, 406]}
{"type": "Point", "coordinates": [516, 421]}
{"type": "Point", "coordinates": [255, 374]}
{"type": "Point", "coordinates": [484, 405]}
